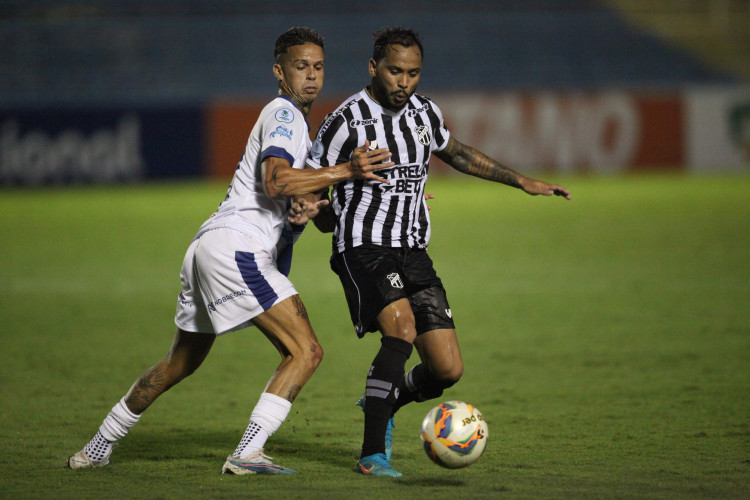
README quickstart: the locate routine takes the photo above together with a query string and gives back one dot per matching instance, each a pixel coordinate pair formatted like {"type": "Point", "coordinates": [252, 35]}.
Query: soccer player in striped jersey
{"type": "Point", "coordinates": [381, 233]}
{"type": "Point", "coordinates": [234, 274]}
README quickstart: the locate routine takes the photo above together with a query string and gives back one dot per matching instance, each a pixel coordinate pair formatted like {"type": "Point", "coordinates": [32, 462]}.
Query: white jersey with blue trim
{"type": "Point", "coordinates": [281, 131]}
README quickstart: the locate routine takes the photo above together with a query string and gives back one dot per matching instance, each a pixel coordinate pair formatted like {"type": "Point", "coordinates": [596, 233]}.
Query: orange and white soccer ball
{"type": "Point", "coordinates": [454, 434]}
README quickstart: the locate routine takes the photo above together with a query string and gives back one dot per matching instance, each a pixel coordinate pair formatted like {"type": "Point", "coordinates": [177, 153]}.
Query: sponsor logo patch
{"type": "Point", "coordinates": [283, 132]}
{"type": "Point", "coordinates": [285, 115]}
{"type": "Point", "coordinates": [405, 180]}
{"type": "Point", "coordinates": [317, 149]}
{"type": "Point", "coordinates": [218, 302]}
{"type": "Point", "coordinates": [414, 112]}
{"type": "Point", "coordinates": [362, 123]}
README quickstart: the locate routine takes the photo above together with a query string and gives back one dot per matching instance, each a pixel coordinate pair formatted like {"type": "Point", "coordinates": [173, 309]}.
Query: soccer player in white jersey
{"type": "Point", "coordinates": [235, 271]}
{"type": "Point", "coordinates": [381, 232]}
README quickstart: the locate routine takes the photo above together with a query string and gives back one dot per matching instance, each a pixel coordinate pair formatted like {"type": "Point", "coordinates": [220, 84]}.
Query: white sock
{"type": "Point", "coordinates": [117, 424]}
{"type": "Point", "coordinates": [119, 421]}
{"type": "Point", "coordinates": [267, 417]}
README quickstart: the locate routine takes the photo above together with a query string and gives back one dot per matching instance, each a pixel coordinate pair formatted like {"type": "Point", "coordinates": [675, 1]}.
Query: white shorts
{"type": "Point", "coordinates": [228, 278]}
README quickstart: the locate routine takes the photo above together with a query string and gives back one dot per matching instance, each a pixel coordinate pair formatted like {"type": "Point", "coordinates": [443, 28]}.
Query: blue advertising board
{"type": "Point", "coordinates": [69, 146]}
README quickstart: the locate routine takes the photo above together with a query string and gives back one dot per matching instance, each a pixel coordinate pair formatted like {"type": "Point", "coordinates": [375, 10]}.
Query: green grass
{"type": "Point", "coordinates": [606, 340]}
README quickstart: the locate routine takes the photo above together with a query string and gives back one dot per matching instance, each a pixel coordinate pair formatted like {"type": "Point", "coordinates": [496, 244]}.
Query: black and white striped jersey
{"type": "Point", "coordinates": [370, 212]}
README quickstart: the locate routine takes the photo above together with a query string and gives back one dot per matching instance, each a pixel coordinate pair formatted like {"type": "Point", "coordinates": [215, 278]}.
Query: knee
{"type": "Point", "coordinates": [449, 376]}
{"type": "Point", "coordinates": [312, 356]}
{"type": "Point", "coordinates": [316, 354]}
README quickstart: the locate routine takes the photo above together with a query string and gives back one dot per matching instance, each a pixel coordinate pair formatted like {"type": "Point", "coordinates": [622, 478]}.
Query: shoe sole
{"type": "Point", "coordinates": [268, 469]}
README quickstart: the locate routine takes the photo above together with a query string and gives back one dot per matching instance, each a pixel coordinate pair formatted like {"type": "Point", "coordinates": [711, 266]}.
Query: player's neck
{"type": "Point", "coordinates": [371, 94]}
{"type": "Point", "coordinates": [304, 107]}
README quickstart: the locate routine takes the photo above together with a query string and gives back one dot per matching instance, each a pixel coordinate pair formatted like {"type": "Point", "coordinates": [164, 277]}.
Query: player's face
{"type": "Point", "coordinates": [396, 76]}
{"type": "Point", "coordinates": [300, 73]}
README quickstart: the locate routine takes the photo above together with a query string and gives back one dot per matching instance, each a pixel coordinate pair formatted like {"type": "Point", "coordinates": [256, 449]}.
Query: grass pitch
{"type": "Point", "coordinates": [606, 340]}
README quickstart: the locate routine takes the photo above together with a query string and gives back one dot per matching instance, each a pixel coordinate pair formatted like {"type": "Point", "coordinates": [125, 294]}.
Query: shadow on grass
{"type": "Point", "coordinates": [192, 444]}
{"type": "Point", "coordinates": [432, 482]}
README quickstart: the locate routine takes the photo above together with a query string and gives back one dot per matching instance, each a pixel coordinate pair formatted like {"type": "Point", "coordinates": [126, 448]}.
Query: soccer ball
{"type": "Point", "coordinates": [454, 434]}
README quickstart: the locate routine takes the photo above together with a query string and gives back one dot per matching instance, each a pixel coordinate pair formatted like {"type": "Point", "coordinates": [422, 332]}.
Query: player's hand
{"type": "Point", "coordinates": [302, 210]}
{"type": "Point", "coordinates": [428, 196]}
{"type": "Point", "coordinates": [365, 160]}
{"type": "Point", "coordinates": [535, 187]}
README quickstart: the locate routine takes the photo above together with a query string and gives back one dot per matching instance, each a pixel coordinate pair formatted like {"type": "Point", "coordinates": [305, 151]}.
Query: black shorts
{"type": "Point", "coordinates": [374, 277]}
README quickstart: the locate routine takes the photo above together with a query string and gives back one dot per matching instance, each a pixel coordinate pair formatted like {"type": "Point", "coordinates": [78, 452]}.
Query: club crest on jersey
{"type": "Point", "coordinates": [423, 134]}
{"type": "Point", "coordinates": [285, 115]}
{"type": "Point", "coordinates": [317, 149]}
{"type": "Point", "coordinates": [283, 132]}
{"type": "Point", "coordinates": [395, 280]}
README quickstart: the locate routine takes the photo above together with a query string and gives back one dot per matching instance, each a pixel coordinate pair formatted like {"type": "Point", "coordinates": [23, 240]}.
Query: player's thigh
{"type": "Point", "coordinates": [397, 320]}
{"type": "Point", "coordinates": [371, 281]}
{"type": "Point", "coordinates": [427, 296]}
{"type": "Point", "coordinates": [189, 349]}
{"type": "Point", "coordinates": [441, 354]}
{"type": "Point", "coordinates": [287, 326]}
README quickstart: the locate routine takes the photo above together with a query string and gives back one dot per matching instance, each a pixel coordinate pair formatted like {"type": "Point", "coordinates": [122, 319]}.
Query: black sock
{"type": "Point", "coordinates": [383, 381]}
{"type": "Point", "coordinates": [419, 386]}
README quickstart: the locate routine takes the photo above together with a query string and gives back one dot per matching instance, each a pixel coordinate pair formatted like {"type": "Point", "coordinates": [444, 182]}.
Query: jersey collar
{"type": "Point", "coordinates": [293, 104]}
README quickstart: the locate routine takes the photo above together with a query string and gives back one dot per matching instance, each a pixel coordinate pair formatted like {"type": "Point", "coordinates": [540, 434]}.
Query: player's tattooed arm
{"type": "Point", "coordinates": [272, 183]}
{"type": "Point", "coordinates": [471, 161]}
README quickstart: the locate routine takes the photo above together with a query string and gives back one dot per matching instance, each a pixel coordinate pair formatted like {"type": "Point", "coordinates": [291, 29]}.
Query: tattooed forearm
{"type": "Point", "coordinates": [473, 162]}
{"type": "Point", "coordinates": [273, 186]}
{"type": "Point", "coordinates": [301, 311]}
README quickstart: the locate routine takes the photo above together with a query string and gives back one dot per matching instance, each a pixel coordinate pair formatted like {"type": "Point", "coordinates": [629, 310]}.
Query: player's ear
{"type": "Point", "coordinates": [373, 67]}
{"type": "Point", "coordinates": [277, 72]}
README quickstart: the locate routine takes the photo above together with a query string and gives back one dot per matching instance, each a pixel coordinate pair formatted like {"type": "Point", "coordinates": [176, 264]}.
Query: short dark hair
{"type": "Point", "coordinates": [296, 36]}
{"type": "Point", "coordinates": [394, 36]}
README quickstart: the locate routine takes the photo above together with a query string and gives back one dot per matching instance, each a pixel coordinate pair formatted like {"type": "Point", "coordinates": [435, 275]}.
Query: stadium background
{"type": "Point", "coordinates": [125, 90]}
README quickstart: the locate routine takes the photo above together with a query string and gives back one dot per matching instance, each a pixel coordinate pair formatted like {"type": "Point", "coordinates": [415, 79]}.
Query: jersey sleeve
{"type": "Point", "coordinates": [440, 132]}
{"type": "Point", "coordinates": [331, 145]}
{"type": "Point", "coordinates": [282, 133]}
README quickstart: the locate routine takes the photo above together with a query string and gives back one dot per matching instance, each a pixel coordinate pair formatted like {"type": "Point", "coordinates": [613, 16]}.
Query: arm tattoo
{"type": "Point", "coordinates": [471, 161]}
{"type": "Point", "coordinates": [274, 184]}
{"type": "Point", "coordinates": [301, 311]}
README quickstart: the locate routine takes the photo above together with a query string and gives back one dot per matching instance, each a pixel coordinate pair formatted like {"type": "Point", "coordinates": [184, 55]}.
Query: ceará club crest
{"type": "Point", "coordinates": [423, 135]}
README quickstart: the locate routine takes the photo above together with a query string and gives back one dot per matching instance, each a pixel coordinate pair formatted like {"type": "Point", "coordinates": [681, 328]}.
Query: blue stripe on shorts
{"type": "Point", "coordinates": [259, 287]}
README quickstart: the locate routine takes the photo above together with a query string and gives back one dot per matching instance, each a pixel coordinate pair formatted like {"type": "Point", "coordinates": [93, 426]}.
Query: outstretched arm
{"type": "Point", "coordinates": [473, 162]}
{"type": "Point", "coordinates": [280, 179]}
